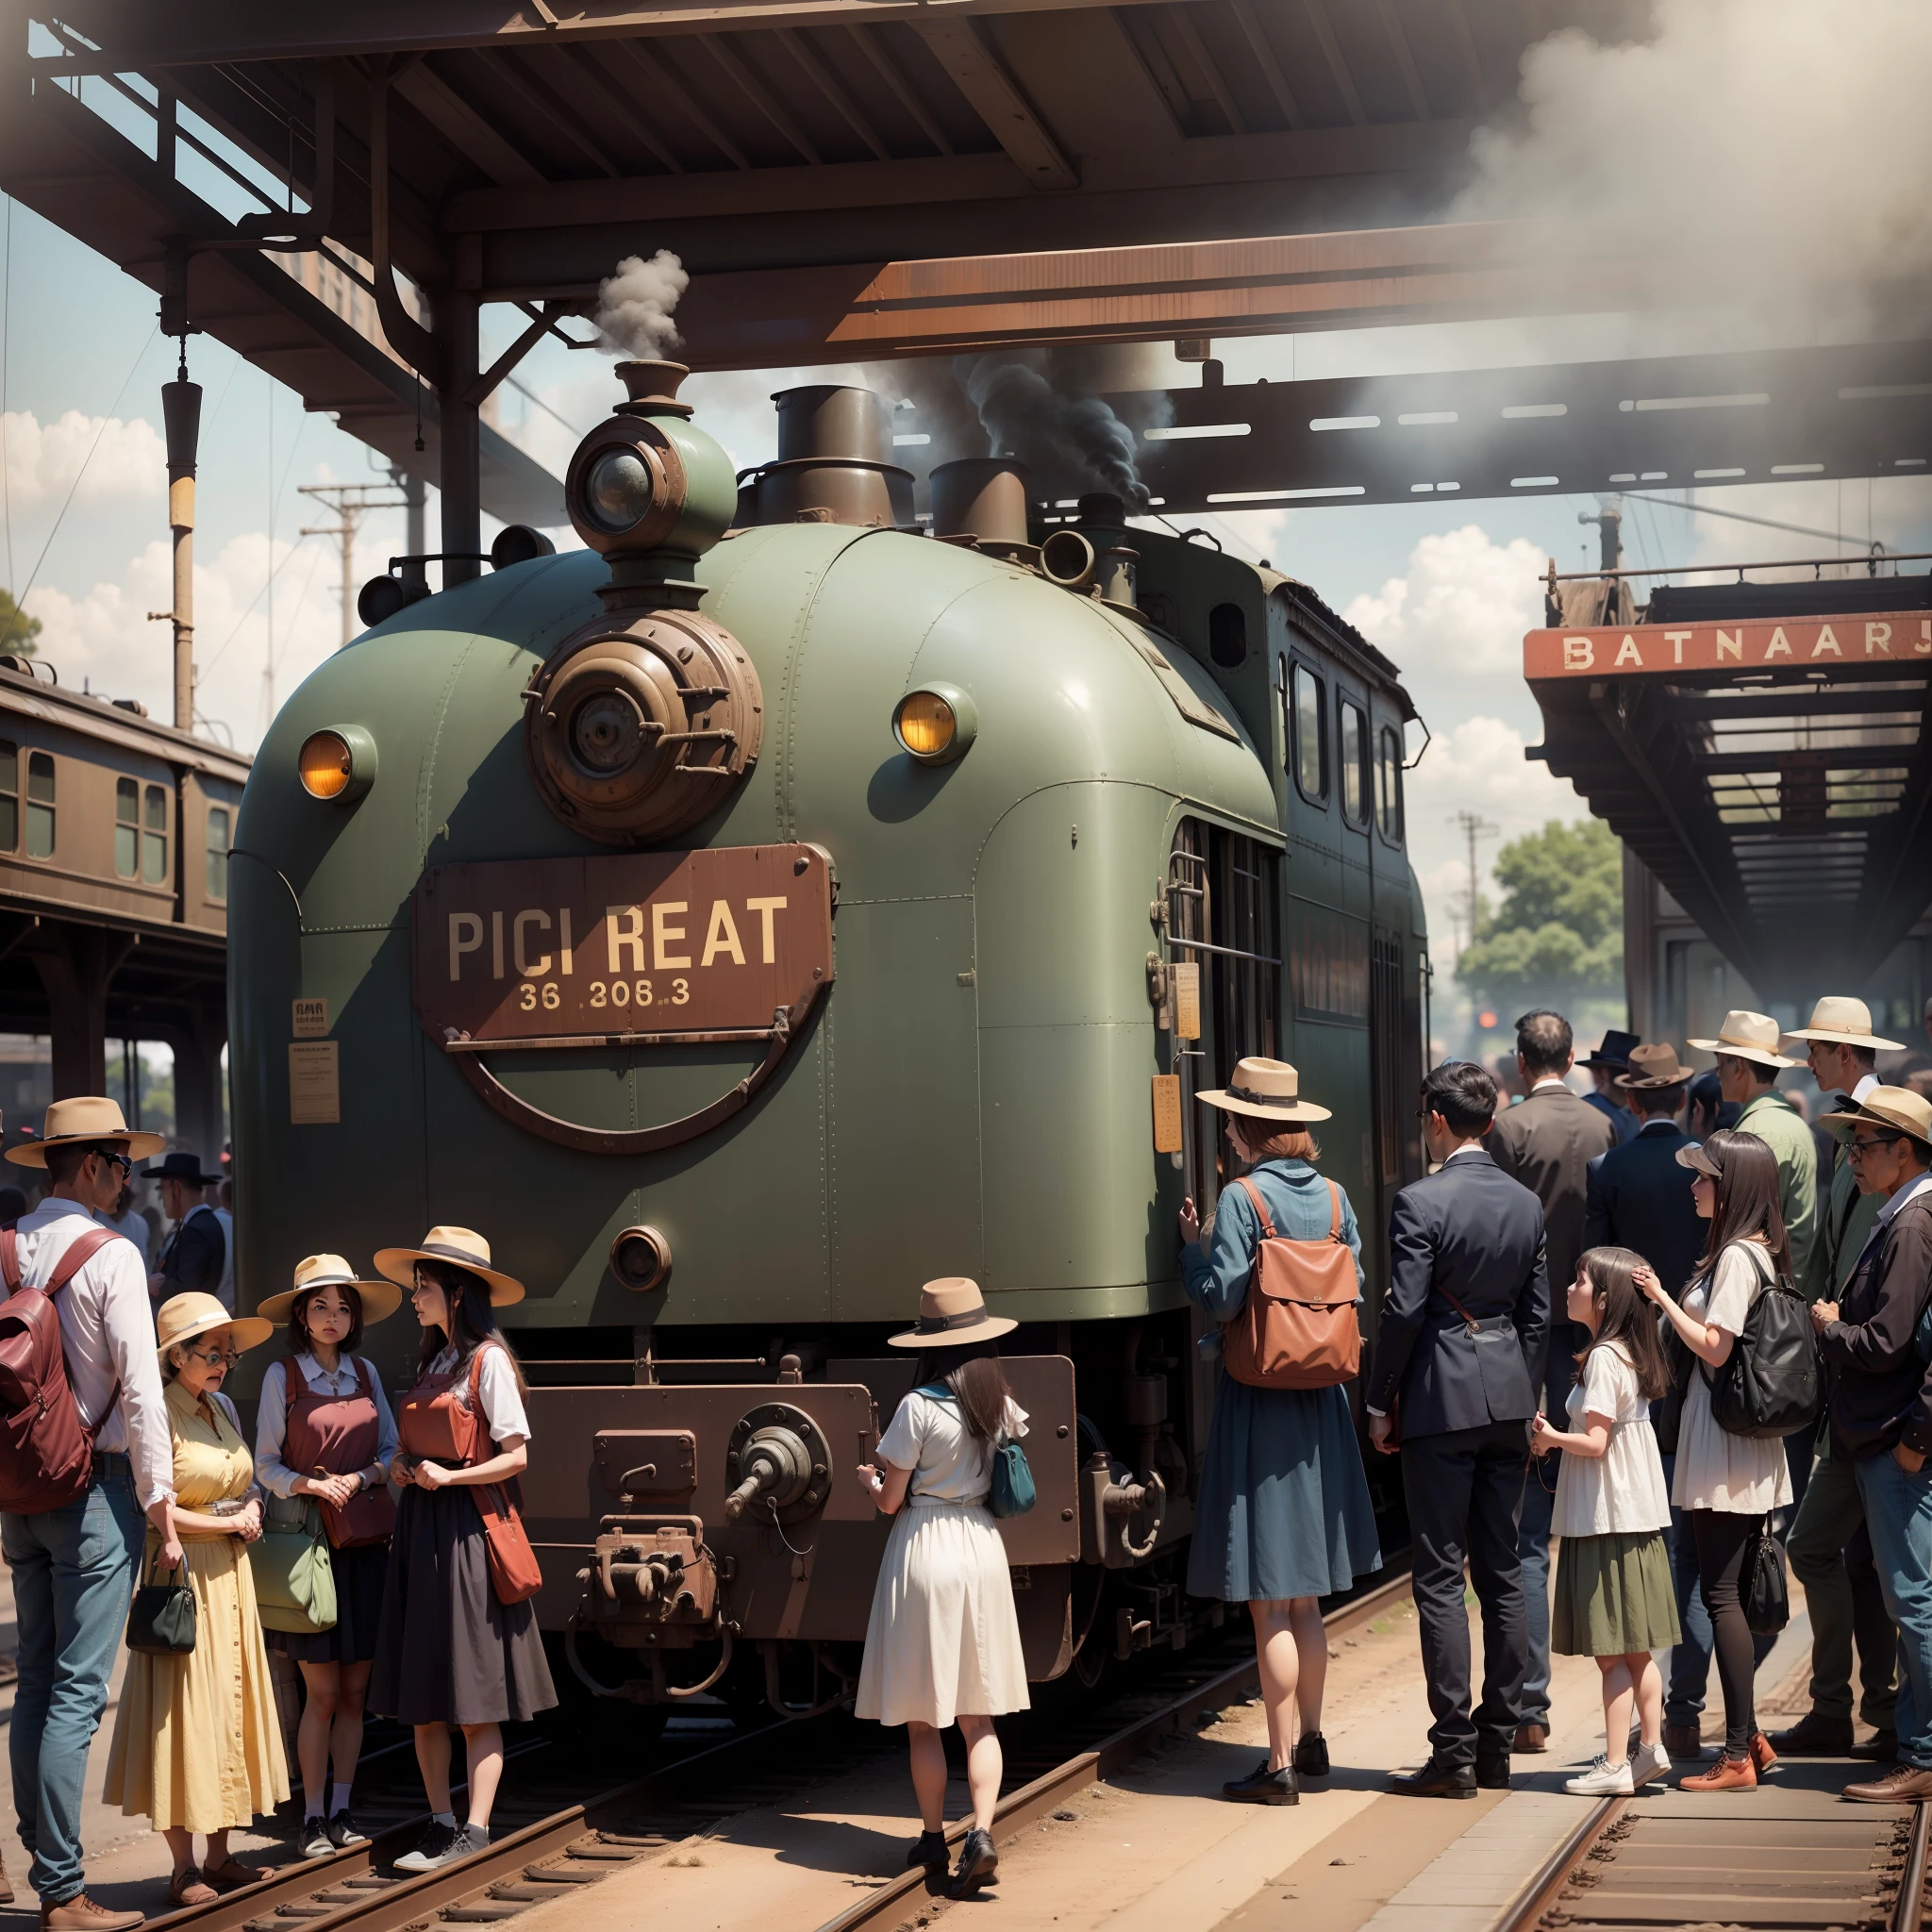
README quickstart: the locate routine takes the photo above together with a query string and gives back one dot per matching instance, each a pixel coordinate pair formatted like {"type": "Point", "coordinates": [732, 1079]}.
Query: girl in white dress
{"type": "Point", "coordinates": [942, 1646]}
{"type": "Point", "coordinates": [1614, 1599]}
{"type": "Point", "coordinates": [1725, 1484]}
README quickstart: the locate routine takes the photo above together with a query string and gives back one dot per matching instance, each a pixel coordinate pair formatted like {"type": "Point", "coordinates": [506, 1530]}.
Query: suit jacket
{"type": "Point", "coordinates": [1469, 1228]}
{"type": "Point", "coordinates": [1621, 1118]}
{"type": "Point", "coordinates": [1639, 1198]}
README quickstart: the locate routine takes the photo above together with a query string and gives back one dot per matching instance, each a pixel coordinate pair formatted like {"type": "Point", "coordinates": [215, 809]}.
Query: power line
{"type": "Point", "coordinates": [1738, 516]}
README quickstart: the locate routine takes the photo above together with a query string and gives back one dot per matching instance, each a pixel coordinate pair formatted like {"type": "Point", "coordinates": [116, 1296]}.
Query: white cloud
{"type": "Point", "coordinates": [1463, 606]}
{"type": "Point", "coordinates": [111, 458]}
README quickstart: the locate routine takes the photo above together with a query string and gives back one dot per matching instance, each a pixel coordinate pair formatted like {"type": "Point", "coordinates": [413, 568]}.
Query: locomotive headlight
{"type": "Point", "coordinates": [618, 490]}
{"type": "Point", "coordinates": [337, 765]}
{"type": "Point", "coordinates": [935, 722]}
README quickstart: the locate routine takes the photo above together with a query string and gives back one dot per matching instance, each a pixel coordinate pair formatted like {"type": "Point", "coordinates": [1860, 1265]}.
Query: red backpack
{"type": "Point", "coordinates": [46, 1449]}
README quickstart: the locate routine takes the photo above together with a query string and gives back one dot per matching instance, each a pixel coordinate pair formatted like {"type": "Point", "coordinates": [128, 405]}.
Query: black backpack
{"type": "Point", "coordinates": [1770, 1384]}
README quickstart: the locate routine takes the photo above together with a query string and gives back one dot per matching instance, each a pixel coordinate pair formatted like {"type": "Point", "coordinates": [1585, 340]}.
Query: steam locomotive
{"type": "Point", "coordinates": [780, 903]}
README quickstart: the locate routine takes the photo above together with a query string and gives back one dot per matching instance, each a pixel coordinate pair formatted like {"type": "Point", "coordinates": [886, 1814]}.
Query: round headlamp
{"type": "Point", "coordinates": [935, 724]}
{"type": "Point", "coordinates": [337, 765]}
{"type": "Point", "coordinates": [618, 491]}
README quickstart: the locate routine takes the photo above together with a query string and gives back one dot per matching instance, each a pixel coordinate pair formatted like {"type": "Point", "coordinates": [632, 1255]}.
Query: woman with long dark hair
{"type": "Point", "coordinates": [942, 1646]}
{"type": "Point", "coordinates": [1615, 1599]}
{"type": "Point", "coordinates": [1725, 1484]}
{"type": "Point", "coordinates": [447, 1651]}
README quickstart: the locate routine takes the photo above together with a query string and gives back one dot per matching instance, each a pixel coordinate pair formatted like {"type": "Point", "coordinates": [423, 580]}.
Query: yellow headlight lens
{"type": "Point", "coordinates": [924, 723]}
{"type": "Point", "coordinates": [326, 765]}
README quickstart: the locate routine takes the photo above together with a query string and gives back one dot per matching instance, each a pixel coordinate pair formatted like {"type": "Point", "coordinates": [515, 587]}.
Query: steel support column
{"type": "Point", "coordinates": [461, 480]}
{"type": "Point", "coordinates": [75, 964]}
{"type": "Point", "coordinates": [200, 1101]}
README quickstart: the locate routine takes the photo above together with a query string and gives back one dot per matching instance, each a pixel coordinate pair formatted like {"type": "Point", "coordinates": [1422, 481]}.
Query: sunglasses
{"type": "Point", "coordinates": [114, 1158]}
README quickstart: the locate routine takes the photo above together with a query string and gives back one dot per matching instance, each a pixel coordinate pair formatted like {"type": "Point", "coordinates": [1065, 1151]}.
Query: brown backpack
{"type": "Point", "coordinates": [1297, 1328]}
{"type": "Point", "coordinates": [47, 1448]}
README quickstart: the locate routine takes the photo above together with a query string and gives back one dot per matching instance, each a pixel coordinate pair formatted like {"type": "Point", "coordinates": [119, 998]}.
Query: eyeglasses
{"type": "Point", "coordinates": [1859, 1147]}
{"type": "Point", "coordinates": [114, 1158]}
{"type": "Point", "coordinates": [215, 1358]}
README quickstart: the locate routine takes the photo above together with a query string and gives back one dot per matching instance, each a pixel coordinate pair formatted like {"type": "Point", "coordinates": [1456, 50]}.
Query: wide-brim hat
{"type": "Point", "coordinates": [1654, 1068]}
{"type": "Point", "coordinates": [461, 1247]}
{"type": "Point", "coordinates": [181, 1166]}
{"type": "Point", "coordinates": [1747, 1036]}
{"type": "Point", "coordinates": [1898, 1108]}
{"type": "Point", "coordinates": [1614, 1051]}
{"type": "Point", "coordinates": [84, 1119]}
{"type": "Point", "coordinates": [952, 1311]}
{"type": "Point", "coordinates": [380, 1299]}
{"type": "Point", "coordinates": [1698, 1162]}
{"type": "Point", "coordinates": [183, 1317]}
{"type": "Point", "coordinates": [1266, 1091]}
{"type": "Point", "coordinates": [1836, 1021]}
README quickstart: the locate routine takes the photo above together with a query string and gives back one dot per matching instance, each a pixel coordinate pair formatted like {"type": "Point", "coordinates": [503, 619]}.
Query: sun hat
{"type": "Point", "coordinates": [952, 1311]}
{"type": "Point", "coordinates": [1615, 1051]}
{"type": "Point", "coordinates": [380, 1299]}
{"type": "Point", "coordinates": [179, 1165]}
{"type": "Point", "coordinates": [1698, 1162]}
{"type": "Point", "coordinates": [1267, 1090]}
{"type": "Point", "coordinates": [1653, 1067]}
{"type": "Point", "coordinates": [1747, 1036]}
{"type": "Point", "coordinates": [1838, 1022]}
{"type": "Point", "coordinates": [182, 1317]}
{"type": "Point", "coordinates": [463, 1247]}
{"type": "Point", "coordinates": [84, 1119]}
{"type": "Point", "coordinates": [1897, 1108]}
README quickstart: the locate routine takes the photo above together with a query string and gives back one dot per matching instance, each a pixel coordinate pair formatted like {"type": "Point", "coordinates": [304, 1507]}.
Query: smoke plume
{"type": "Point", "coordinates": [1050, 425]}
{"type": "Point", "coordinates": [634, 306]}
{"type": "Point", "coordinates": [1762, 148]}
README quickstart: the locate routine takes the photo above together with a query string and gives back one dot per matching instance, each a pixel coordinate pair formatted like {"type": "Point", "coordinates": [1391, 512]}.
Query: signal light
{"type": "Point", "coordinates": [1487, 1021]}
{"type": "Point", "coordinates": [337, 765]}
{"type": "Point", "coordinates": [935, 724]}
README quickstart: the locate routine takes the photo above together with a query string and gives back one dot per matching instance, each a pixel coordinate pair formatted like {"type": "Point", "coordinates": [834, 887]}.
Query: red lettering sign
{"type": "Point", "coordinates": [1653, 650]}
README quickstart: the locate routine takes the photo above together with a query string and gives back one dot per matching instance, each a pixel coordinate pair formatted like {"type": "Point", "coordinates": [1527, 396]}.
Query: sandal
{"type": "Point", "coordinates": [231, 1874]}
{"type": "Point", "coordinates": [185, 1888]}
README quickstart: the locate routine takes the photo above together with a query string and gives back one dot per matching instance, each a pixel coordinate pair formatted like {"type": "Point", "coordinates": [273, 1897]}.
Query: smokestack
{"type": "Point", "coordinates": [835, 462]}
{"type": "Point", "coordinates": [181, 416]}
{"type": "Point", "coordinates": [984, 497]}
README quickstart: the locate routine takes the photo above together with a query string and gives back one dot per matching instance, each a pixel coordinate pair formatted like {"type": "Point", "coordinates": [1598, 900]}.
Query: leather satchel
{"type": "Point", "coordinates": [1298, 1327]}
{"type": "Point", "coordinates": [160, 1621]}
{"type": "Point", "coordinates": [514, 1572]}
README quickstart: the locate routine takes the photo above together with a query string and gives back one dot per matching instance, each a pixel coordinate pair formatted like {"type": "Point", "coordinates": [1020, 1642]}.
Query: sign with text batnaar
{"type": "Point", "coordinates": [1874, 640]}
{"type": "Point", "coordinates": [627, 948]}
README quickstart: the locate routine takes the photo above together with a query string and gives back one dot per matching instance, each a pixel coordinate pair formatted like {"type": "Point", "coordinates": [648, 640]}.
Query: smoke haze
{"type": "Point", "coordinates": [634, 306]}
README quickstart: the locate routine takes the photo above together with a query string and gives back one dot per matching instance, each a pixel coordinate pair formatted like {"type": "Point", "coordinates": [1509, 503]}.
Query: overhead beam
{"type": "Point", "coordinates": [994, 95]}
{"type": "Point", "coordinates": [466, 130]}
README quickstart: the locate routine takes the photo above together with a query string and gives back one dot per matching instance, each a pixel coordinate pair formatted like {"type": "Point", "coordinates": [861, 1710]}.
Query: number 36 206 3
{"type": "Point", "coordinates": [614, 993]}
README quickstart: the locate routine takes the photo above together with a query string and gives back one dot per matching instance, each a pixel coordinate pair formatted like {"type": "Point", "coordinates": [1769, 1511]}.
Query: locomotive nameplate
{"type": "Point", "coordinates": [638, 947]}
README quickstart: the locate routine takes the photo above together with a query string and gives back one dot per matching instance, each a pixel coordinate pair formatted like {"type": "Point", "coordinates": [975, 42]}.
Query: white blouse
{"type": "Point", "coordinates": [949, 1463]}
{"type": "Point", "coordinates": [1623, 1489]}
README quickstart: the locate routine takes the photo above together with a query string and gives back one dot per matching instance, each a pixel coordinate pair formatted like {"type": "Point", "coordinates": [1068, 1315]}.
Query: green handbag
{"type": "Point", "coordinates": [294, 1582]}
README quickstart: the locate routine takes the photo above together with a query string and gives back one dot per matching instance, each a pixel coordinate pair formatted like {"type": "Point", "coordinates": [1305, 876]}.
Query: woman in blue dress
{"type": "Point", "coordinates": [1284, 1517]}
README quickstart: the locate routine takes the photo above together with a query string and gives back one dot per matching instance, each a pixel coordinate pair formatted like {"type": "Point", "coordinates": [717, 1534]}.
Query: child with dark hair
{"type": "Point", "coordinates": [1614, 1597]}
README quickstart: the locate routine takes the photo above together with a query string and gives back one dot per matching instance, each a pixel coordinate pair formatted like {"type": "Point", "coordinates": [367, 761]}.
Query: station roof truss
{"type": "Point", "coordinates": [1774, 770]}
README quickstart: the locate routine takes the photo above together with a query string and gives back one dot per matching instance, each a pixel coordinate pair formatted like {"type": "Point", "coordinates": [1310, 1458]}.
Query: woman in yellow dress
{"type": "Point", "coordinates": [198, 1745]}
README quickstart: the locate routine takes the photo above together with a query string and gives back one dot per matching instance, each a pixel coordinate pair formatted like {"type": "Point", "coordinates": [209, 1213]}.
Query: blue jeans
{"type": "Point", "coordinates": [1898, 1515]}
{"type": "Point", "coordinates": [1533, 1547]}
{"type": "Point", "coordinates": [73, 1578]}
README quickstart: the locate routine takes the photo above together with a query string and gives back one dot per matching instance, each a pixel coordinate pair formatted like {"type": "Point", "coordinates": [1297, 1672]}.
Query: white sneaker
{"type": "Point", "coordinates": [1602, 1780]}
{"type": "Point", "coordinates": [1646, 1762]}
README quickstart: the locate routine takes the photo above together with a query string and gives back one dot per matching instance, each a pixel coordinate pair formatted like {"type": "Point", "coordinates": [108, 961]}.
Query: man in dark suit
{"type": "Point", "coordinates": [1547, 1144]}
{"type": "Point", "coordinates": [1460, 1346]}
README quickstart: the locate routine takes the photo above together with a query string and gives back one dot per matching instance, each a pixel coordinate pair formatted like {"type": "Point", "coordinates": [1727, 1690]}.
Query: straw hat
{"type": "Point", "coordinates": [462, 1247]}
{"type": "Point", "coordinates": [1843, 1022]}
{"type": "Point", "coordinates": [182, 1317]}
{"type": "Point", "coordinates": [1267, 1090]}
{"type": "Point", "coordinates": [380, 1299]}
{"type": "Point", "coordinates": [1748, 1037]}
{"type": "Point", "coordinates": [1897, 1108]}
{"type": "Point", "coordinates": [86, 1119]}
{"type": "Point", "coordinates": [952, 1311]}
{"type": "Point", "coordinates": [1653, 1067]}
{"type": "Point", "coordinates": [1615, 1051]}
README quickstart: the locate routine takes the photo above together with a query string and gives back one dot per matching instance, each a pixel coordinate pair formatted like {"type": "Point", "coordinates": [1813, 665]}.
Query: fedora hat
{"type": "Point", "coordinates": [182, 1317]}
{"type": "Point", "coordinates": [952, 1311]}
{"type": "Point", "coordinates": [1654, 1067]}
{"type": "Point", "coordinates": [88, 1118]}
{"type": "Point", "coordinates": [1266, 1090]}
{"type": "Point", "coordinates": [1747, 1036]}
{"type": "Point", "coordinates": [181, 1166]}
{"type": "Point", "coordinates": [380, 1299]}
{"type": "Point", "coordinates": [1838, 1022]}
{"type": "Point", "coordinates": [1896, 1108]}
{"type": "Point", "coordinates": [1614, 1051]}
{"type": "Point", "coordinates": [462, 1247]}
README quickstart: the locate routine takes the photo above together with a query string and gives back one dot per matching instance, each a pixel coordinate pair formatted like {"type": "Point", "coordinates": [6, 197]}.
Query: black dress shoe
{"type": "Point", "coordinates": [1436, 1780]}
{"type": "Point", "coordinates": [1311, 1755]}
{"type": "Point", "coordinates": [1883, 1749]}
{"type": "Point", "coordinates": [1493, 1774]}
{"type": "Point", "coordinates": [1814, 1736]}
{"type": "Point", "coordinates": [979, 1862]}
{"type": "Point", "coordinates": [929, 1849]}
{"type": "Point", "coordinates": [1264, 1787]}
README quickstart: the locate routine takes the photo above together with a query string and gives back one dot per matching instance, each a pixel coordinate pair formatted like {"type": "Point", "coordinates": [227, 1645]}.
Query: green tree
{"type": "Point", "coordinates": [1558, 934]}
{"type": "Point", "coordinates": [17, 629]}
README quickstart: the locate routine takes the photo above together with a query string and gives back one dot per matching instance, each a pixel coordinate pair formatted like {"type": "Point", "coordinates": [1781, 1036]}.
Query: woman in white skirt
{"type": "Point", "coordinates": [943, 1644]}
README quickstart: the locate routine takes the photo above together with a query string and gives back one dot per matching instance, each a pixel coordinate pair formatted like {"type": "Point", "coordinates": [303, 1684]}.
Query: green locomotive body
{"type": "Point", "coordinates": [1166, 831]}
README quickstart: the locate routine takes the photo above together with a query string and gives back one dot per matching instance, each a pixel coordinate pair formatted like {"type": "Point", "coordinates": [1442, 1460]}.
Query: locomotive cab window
{"type": "Point", "coordinates": [215, 870]}
{"type": "Point", "coordinates": [1388, 784]}
{"type": "Point", "coordinates": [9, 796]}
{"type": "Point", "coordinates": [1354, 763]}
{"type": "Point", "coordinates": [1308, 732]}
{"type": "Point", "coordinates": [126, 828]}
{"type": "Point", "coordinates": [40, 805]}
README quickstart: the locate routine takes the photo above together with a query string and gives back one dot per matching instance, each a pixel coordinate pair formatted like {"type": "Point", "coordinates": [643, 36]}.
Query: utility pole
{"type": "Point", "coordinates": [1473, 827]}
{"type": "Point", "coordinates": [1609, 525]}
{"type": "Point", "coordinates": [350, 501]}
{"type": "Point", "coordinates": [181, 414]}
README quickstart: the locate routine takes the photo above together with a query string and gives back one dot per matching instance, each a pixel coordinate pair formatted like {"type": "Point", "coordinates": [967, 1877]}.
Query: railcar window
{"type": "Point", "coordinates": [1354, 763]}
{"type": "Point", "coordinates": [1308, 730]}
{"type": "Point", "coordinates": [126, 828]}
{"type": "Point", "coordinates": [10, 796]}
{"type": "Point", "coordinates": [216, 876]}
{"type": "Point", "coordinates": [1389, 785]}
{"type": "Point", "coordinates": [1227, 635]}
{"type": "Point", "coordinates": [40, 805]}
{"type": "Point", "coordinates": [154, 837]}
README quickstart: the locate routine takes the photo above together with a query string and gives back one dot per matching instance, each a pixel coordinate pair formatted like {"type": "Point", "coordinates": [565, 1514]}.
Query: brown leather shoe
{"type": "Point", "coordinates": [1727, 1775]}
{"type": "Point", "coordinates": [6, 1885]}
{"type": "Point", "coordinates": [1815, 1736]}
{"type": "Point", "coordinates": [1904, 1784]}
{"type": "Point", "coordinates": [1762, 1755]}
{"type": "Point", "coordinates": [1532, 1738]}
{"type": "Point", "coordinates": [1683, 1741]}
{"type": "Point", "coordinates": [82, 1914]}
